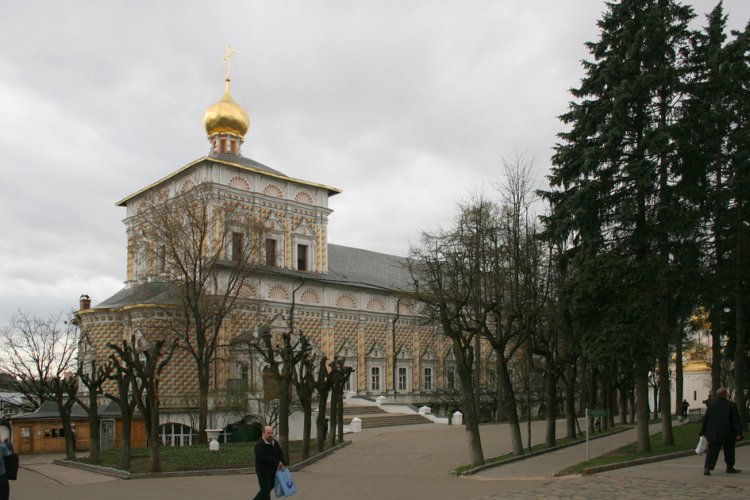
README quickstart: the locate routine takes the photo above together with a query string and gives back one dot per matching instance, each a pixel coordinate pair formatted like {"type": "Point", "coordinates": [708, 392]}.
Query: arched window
{"type": "Point", "coordinates": [173, 434]}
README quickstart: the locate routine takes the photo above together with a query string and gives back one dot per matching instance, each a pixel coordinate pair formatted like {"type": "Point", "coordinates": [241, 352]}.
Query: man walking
{"type": "Point", "coordinates": [268, 459]}
{"type": "Point", "coordinates": [721, 427]}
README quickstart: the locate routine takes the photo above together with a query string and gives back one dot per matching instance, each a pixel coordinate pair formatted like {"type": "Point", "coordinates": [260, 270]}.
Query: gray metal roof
{"type": "Point", "coordinates": [346, 266]}
{"type": "Point", "coordinates": [146, 293]}
{"type": "Point", "coordinates": [245, 161]}
{"type": "Point", "coordinates": [48, 411]}
{"type": "Point", "coordinates": [355, 266]}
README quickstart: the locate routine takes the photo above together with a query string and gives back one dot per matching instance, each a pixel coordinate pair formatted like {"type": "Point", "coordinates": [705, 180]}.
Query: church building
{"type": "Point", "coordinates": [349, 302]}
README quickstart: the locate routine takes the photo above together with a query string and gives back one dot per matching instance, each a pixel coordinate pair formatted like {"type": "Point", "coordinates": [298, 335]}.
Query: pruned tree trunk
{"type": "Point", "coordinates": [509, 406]}
{"type": "Point", "coordinates": [126, 433]}
{"type": "Point", "coordinates": [320, 422]}
{"type": "Point", "coordinates": [740, 290]}
{"type": "Point", "coordinates": [679, 383]}
{"type": "Point", "coordinates": [333, 419]}
{"type": "Point", "coordinates": [284, 399]}
{"type": "Point", "coordinates": [340, 415]}
{"type": "Point", "coordinates": [550, 386]}
{"type": "Point", "coordinates": [716, 347]}
{"type": "Point", "coordinates": [203, 383]}
{"type": "Point", "coordinates": [93, 418]}
{"type": "Point", "coordinates": [306, 427]}
{"type": "Point", "coordinates": [623, 393]}
{"type": "Point", "coordinates": [570, 400]}
{"type": "Point", "coordinates": [500, 407]}
{"type": "Point", "coordinates": [471, 412]}
{"type": "Point", "coordinates": [667, 438]}
{"type": "Point", "coordinates": [643, 440]}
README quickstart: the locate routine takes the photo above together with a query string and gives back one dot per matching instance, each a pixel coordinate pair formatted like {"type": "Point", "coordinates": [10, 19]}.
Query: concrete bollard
{"type": "Point", "coordinates": [458, 418]}
{"type": "Point", "coordinates": [380, 400]}
{"type": "Point", "coordinates": [356, 425]}
{"type": "Point", "coordinates": [425, 410]}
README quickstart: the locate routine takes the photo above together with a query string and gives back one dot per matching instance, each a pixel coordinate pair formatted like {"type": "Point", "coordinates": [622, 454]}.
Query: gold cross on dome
{"type": "Point", "coordinates": [230, 53]}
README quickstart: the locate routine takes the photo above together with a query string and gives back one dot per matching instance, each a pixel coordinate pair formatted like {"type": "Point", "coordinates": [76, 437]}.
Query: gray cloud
{"type": "Point", "coordinates": [406, 106]}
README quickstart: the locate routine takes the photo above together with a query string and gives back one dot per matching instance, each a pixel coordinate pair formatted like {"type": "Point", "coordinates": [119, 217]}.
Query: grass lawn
{"type": "Point", "coordinates": [537, 448]}
{"type": "Point", "coordinates": [685, 438]}
{"type": "Point", "coordinates": [196, 457]}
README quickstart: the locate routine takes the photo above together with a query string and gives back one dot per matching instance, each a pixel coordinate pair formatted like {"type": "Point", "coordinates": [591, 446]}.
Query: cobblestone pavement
{"type": "Point", "coordinates": [679, 478]}
{"type": "Point", "coordinates": [609, 488]}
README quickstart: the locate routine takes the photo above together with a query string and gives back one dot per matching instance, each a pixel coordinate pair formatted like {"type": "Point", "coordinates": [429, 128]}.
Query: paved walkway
{"type": "Point", "coordinates": [412, 462]}
{"type": "Point", "coordinates": [547, 464]}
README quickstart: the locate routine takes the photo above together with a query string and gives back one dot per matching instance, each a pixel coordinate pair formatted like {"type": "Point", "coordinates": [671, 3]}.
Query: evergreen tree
{"type": "Point", "coordinates": [702, 142]}
{"type": "Point", "coordinates": [619, 191]}
{"type": "Point", "coordinates": [738, 151]}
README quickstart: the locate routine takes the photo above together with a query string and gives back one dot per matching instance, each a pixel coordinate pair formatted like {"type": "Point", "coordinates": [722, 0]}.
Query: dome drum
{"type": "Point", "coordinates": [225, 143]}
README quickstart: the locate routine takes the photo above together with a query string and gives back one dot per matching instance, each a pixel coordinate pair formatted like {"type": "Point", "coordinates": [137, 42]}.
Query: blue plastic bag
{"type": "Point", "coordinates": [277, 488]}
{"type": "Point", "coordinates": [285, 483]}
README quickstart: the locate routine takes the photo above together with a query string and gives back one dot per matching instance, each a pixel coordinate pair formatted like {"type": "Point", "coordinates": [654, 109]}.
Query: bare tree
{"type": "Point", "coordinates": [282, 355]}
{"type": "Point", "coordinates": [40, 355]}
{"type": "Point", "coordinates": [338, 377]}
{"type": "Point", "coordinates": [323, 383]}
{"type": "Point", "coordinates": [92, 373]}
{"type": "Point", "coordinates": [206, 246]}
{"type": "Point", "coordinates": [445, 280]}
{"type": "Point", "coordinates": [145, 364]}
{"type": "Point", "coordinates": [304, 382]}
{"type": "Point", "coordinates": [122, 376]}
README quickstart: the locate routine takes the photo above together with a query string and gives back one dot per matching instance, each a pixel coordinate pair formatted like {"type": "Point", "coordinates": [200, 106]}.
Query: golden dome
{"type": "Point", "coordinates": [226, 117]}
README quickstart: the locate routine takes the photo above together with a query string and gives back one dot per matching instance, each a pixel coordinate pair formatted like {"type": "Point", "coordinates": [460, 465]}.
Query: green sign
{"type": "Point", "coordinates": [597, 413]}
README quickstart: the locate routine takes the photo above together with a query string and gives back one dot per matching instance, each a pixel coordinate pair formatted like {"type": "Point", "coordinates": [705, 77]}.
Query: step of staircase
{"type": "Point", "coordinates": [388, 419]}
{"type": "Point", "coordinates": [356, 411]}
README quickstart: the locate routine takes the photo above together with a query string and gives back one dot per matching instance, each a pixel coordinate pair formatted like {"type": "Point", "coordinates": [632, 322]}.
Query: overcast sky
{"type": "Point", "coordinates": [407, 106]}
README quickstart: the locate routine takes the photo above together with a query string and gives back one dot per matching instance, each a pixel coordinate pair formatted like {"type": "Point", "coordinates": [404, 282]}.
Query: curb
{"type": "Point", "coordinates": [483, 467]}
{"type": "Point", "coordinates": [309, 461]}
{"type": "Point", "coordinates": [121, 474]}
{"type": "Point", "coordinates": [644, 461]}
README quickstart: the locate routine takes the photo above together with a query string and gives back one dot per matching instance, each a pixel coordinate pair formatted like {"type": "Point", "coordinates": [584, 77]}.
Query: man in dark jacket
{"type": "Point", "coordinates": [268, 459]}
{"type": "Point", "coordinates": [721, 427]}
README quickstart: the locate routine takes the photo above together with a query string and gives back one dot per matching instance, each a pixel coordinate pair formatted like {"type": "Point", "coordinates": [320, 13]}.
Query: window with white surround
{"type": "Point", "coordinates": [349, 354]}
{"type": "Point", "coordinates": [271, 246]}
{"type": "Point", "coordinates": [161, 259]}
{"type": "Point", "coordinates": [450, 377]}
{"type": "Point", "coordinates": [403, 369]}
{"type": "Point", "coordinates": [237, 240]}
{"type": "Point", "coordinates": [401, 378]}
{"type": "Point", "coordinates": [427, 381]}
{"type": "Point", "coordinates": [375, 378]}
{"type": "Point", "coordinates": [428, 364]}
{"type": "Point", "coordinates": [173, 434]}
{"type": "Point", "coordinates": [375, 368]}
{"type": "Point", "coordinates": [302, 258]}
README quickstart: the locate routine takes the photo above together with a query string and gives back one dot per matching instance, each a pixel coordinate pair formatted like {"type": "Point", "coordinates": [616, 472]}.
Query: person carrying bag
{"type": "Point", "coordinates": [285, 486]}
{"type": "Point", "coordinates": [268, 460]}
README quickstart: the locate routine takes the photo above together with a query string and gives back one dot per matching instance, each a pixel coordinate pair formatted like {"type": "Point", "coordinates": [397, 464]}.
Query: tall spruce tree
{"type": "Point", "coordinates": [738, 149]}
{"type": "Point", "coordinates": [617, 189]}
{"type": "Point", "coordinates": [702, 143]}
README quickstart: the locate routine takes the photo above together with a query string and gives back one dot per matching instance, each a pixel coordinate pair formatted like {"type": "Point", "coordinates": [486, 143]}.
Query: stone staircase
{"type": "Point", "coordinates": [374, 416]}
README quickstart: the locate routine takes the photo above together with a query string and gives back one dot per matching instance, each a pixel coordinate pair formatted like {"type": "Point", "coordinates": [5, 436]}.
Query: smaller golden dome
{"type": "Point", "coordinates": [226, 117]}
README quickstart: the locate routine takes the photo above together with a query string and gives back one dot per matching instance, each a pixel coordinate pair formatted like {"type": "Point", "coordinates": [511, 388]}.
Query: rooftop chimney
{"type": "Point", "coordinates": [85, 302]}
